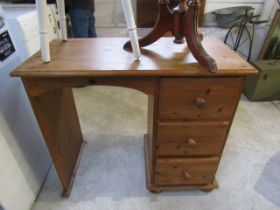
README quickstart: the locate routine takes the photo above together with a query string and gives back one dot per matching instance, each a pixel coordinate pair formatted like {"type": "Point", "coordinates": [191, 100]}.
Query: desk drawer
{"type": "Point", "coordinates": [180, 171]}
{"type": "Point", "coordinates": [198, 98]}
{"type": "Point", "coordinates": [191, 138]}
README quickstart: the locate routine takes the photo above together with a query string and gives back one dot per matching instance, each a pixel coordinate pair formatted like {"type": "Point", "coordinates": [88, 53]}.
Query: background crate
{"type": "Point", "coordinates": [266, 85]}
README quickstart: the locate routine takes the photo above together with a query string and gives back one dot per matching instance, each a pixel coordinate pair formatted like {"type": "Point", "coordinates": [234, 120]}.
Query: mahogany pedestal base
{"type": "Point", "coordinates": [182, 21]}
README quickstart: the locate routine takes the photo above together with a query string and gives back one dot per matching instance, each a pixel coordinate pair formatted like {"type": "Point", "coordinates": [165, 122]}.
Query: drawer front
{"type": "Point", "coordinates": [180, 171]}
{"type": "Point", "coordinates": [198, 98]}
{"type": "Point", "coordinates": [191, 139]}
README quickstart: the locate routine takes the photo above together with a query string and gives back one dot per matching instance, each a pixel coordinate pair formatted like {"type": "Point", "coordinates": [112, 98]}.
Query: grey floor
{"type": "Point", "coordinates": [111, 173]}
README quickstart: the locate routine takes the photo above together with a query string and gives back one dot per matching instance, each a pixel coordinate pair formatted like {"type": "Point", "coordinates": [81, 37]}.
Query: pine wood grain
{"type": "Point", "coordinates": [179, 98]}
{"type": "Point", "coordinates": [200, 100]}
{"type": "Point", "coordinates": [58, 119]}
{"type": "Point", "coordinates": [105, 57]}
{"type": "Point", "coordinates": [179, 171]}
{"type": "Point", "coordinates": [190, 139]}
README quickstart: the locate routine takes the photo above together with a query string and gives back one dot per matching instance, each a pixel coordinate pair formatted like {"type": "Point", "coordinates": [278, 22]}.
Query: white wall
{"type": "Point", "coordinates": [212, 5]}
{"type": "Point", "coordinates": [269, 10]}
{"type": "Point", "coordinates": [266, 8]}
{"type": "Point", "coordinates": [110, 20]}
{"type": "Point", "coordinates": [109, 12]}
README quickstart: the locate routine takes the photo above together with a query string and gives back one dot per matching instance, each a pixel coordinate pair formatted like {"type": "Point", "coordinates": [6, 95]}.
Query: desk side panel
{"type": "Point", "coordinates": [58, 119]}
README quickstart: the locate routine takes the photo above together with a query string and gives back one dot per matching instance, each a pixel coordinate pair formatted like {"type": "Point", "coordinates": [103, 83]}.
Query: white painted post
{"type": "Point", "coordinates": [41, 6]}
{"type": "Point", "coordinates": [62, 19]}
{"type": "Point", "coordinates": [131, 27]}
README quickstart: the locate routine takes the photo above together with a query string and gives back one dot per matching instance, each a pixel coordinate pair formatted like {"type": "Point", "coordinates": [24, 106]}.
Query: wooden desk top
{"type": "Point", "coordinates": [106, 57]}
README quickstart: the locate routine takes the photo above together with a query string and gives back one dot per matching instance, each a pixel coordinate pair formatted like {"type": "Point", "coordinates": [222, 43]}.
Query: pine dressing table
{"type": "Point", "coordinates": [190, 110]}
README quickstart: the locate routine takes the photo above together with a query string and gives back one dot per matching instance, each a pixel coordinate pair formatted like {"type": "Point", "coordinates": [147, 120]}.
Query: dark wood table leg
{"type": "Point", "coordinates": [178, 17]}
{"type": "Point", "coordinates": [58, 120]}
{"type": "Point", "coordinates": [182, 21]}
{"type": "Point", "coordinates": [163, 25]}
{"type": "Point", "coordinates": [193, 39]}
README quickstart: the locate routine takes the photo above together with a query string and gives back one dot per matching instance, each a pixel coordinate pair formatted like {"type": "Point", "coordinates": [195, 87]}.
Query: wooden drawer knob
{"type": "Point", "coordinates": [191, 142]}
{"type": "Point", "coordinates": [187, 176]}
{"type": "Point", "coordinates": [199, 102]}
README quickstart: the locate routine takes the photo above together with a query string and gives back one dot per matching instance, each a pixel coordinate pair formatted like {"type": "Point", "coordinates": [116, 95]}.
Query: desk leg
{"type": "Point", "coordinates": [58, 119]}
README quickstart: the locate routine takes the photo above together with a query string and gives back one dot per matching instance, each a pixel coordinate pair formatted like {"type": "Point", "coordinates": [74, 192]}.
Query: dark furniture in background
{"type": "Point", "coordinates": [147, 11]}
{"type": "Point", "coordinates": [182, 23]}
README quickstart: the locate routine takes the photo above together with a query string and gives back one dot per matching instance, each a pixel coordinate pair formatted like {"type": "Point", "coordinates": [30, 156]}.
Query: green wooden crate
{"type": "Point", "coordinates": [266, 85]}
